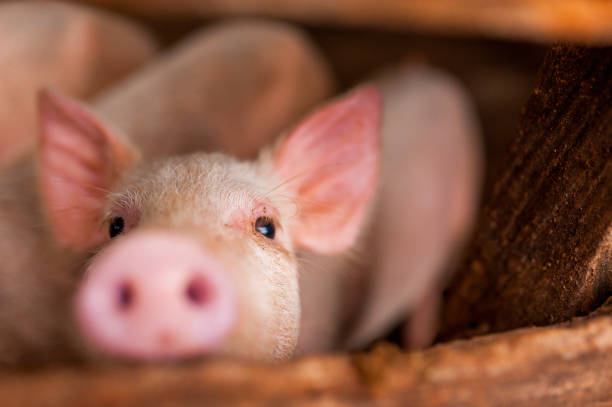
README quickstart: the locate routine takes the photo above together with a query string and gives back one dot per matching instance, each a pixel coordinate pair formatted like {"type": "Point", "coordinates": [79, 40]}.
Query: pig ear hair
{"type": "Point", "coordinates": [330, 163]}
{"type": "Point", "coordinates": [78, 161]}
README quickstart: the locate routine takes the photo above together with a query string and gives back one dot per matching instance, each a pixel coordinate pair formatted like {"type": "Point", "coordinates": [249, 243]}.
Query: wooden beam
{"type": "Point", "coordinates": [568, 364]}
{"type": "Point", "coordinates": [543, 249]}
{"type": "Point", "coordinates": [539, 20]}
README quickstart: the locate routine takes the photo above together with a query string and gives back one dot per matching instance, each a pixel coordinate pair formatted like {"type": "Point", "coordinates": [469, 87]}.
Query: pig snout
{"type": "Point", "coordinates": [154, 295]}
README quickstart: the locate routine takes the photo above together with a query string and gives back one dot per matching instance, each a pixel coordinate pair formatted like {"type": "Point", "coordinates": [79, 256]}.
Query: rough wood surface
{"type": "Point", "coordinates": [540, 20]}
{"type": "Point", "coordinates": [543, 250]}
{"type": "Point", "coordinates": [568, 364]}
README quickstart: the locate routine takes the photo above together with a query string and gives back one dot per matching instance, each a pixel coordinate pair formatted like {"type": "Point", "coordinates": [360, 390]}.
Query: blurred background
{"type": "Point", "coordinates": [494, 47]}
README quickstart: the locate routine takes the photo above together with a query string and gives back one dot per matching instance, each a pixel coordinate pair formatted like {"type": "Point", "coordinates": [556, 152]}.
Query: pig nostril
{"type": "Point", "coordinates": [197, 291]}
{"type": "Point", "coordinates": [125, 295]}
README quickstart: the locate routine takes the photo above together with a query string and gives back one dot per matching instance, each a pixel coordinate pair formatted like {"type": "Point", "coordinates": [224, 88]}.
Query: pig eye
{"type": "Point", "coordinates": [265, 226]}
{"type": "Point", "coordinates": [116, 226]}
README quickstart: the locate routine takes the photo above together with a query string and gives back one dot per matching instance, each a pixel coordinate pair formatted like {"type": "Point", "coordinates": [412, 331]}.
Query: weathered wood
{"type": "Point", "coordinates": [543, 250]}
{"type": "Point", "coordinates": [540, 20]}
{"type": "Point", "coordinates": [568, 364]}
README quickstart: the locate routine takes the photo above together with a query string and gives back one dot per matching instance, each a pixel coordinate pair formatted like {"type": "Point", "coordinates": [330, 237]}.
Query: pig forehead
{"type": "Point", "coordinates": [210, 182]}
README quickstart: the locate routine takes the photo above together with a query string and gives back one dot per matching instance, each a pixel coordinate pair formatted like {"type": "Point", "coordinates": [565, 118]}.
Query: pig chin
{"type": "Point", "coordinates": [156, 295]}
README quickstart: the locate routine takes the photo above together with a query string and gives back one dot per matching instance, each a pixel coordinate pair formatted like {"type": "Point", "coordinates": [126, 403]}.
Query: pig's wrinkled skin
{"type": "Point", "coordinates": [75, 49]}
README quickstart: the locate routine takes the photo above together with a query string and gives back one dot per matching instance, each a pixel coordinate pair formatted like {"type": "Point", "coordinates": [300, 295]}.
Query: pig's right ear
{"type": "Point", "coordinates": [330, 163]}
{"type": "Point", "coordinates": [79, 160]}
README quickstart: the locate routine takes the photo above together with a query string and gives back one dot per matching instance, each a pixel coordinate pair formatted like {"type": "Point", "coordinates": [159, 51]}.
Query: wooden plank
{"type": "Point", "coordinates": [540, 20]}
{"type": "Point", "coordinates": [568, 364]}
{"type": "Point", "coordinates": [543, 249]}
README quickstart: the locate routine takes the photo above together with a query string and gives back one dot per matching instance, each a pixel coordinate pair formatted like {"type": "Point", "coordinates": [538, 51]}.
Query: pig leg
{"type": "Point", "coordinates": [420, 329]}
{"type": "Point", "coordinates": [428, 197]}
{"type": "Point", "coordinates": [74, 49]}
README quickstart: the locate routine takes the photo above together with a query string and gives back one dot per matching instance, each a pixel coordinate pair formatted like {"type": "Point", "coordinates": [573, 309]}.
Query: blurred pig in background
{"type": "Point", "coordinates": [231, 87]}
{"type": "Point", "coordinates": [75, 49]}
{"type": "Point", "coordinates": [421, 216]}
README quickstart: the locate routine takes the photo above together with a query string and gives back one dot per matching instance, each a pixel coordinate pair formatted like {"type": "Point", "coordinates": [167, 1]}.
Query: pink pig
{"type": "Point", "coordinates": [202, 257]}
{"type": "Point", "coordinates": [324, 242]}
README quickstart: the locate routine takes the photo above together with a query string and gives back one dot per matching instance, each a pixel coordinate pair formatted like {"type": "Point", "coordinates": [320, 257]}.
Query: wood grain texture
{"type": "Point", "coordinates": [568, 364]}
{"type": "Point", "coordinates": [539, 20]}
{"type": "Point", "coordinates": [542, 252]}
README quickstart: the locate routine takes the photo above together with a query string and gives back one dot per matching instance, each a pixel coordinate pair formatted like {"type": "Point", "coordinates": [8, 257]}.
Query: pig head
{"type": "Point", "coordinates": [195, 254]}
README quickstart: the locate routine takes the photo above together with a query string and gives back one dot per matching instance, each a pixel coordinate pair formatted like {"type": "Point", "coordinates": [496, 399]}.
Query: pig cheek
{"type": "Point", "coordinates": [269, 310]}
{"type": "Point", "coordinates": [283, 300]}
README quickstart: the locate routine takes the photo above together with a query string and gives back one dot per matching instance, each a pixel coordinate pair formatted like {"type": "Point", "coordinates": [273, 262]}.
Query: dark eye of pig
{"type": "Point", "coordinates": [265, 226]}
{"type": "Point", "coordinates": [116, 226]}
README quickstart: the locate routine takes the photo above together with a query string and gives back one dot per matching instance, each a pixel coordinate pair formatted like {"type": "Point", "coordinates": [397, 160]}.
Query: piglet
{"type": "Point", "coordinates": [179, 256]}
{"type": "Point", "coordinates": [204, 254]}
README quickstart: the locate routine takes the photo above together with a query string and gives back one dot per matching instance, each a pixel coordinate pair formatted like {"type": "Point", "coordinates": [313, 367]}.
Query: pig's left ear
{"type": "Point", "coordinates": [79, 160]}
{"type": "Point", "coordinates": [330, 163]}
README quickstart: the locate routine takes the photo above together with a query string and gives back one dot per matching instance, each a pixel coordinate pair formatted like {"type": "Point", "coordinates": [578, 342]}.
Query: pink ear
{"type": "Point", "coordinates": [79, 159]}
{"type": "Point", "coordinates": [331, 164]}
